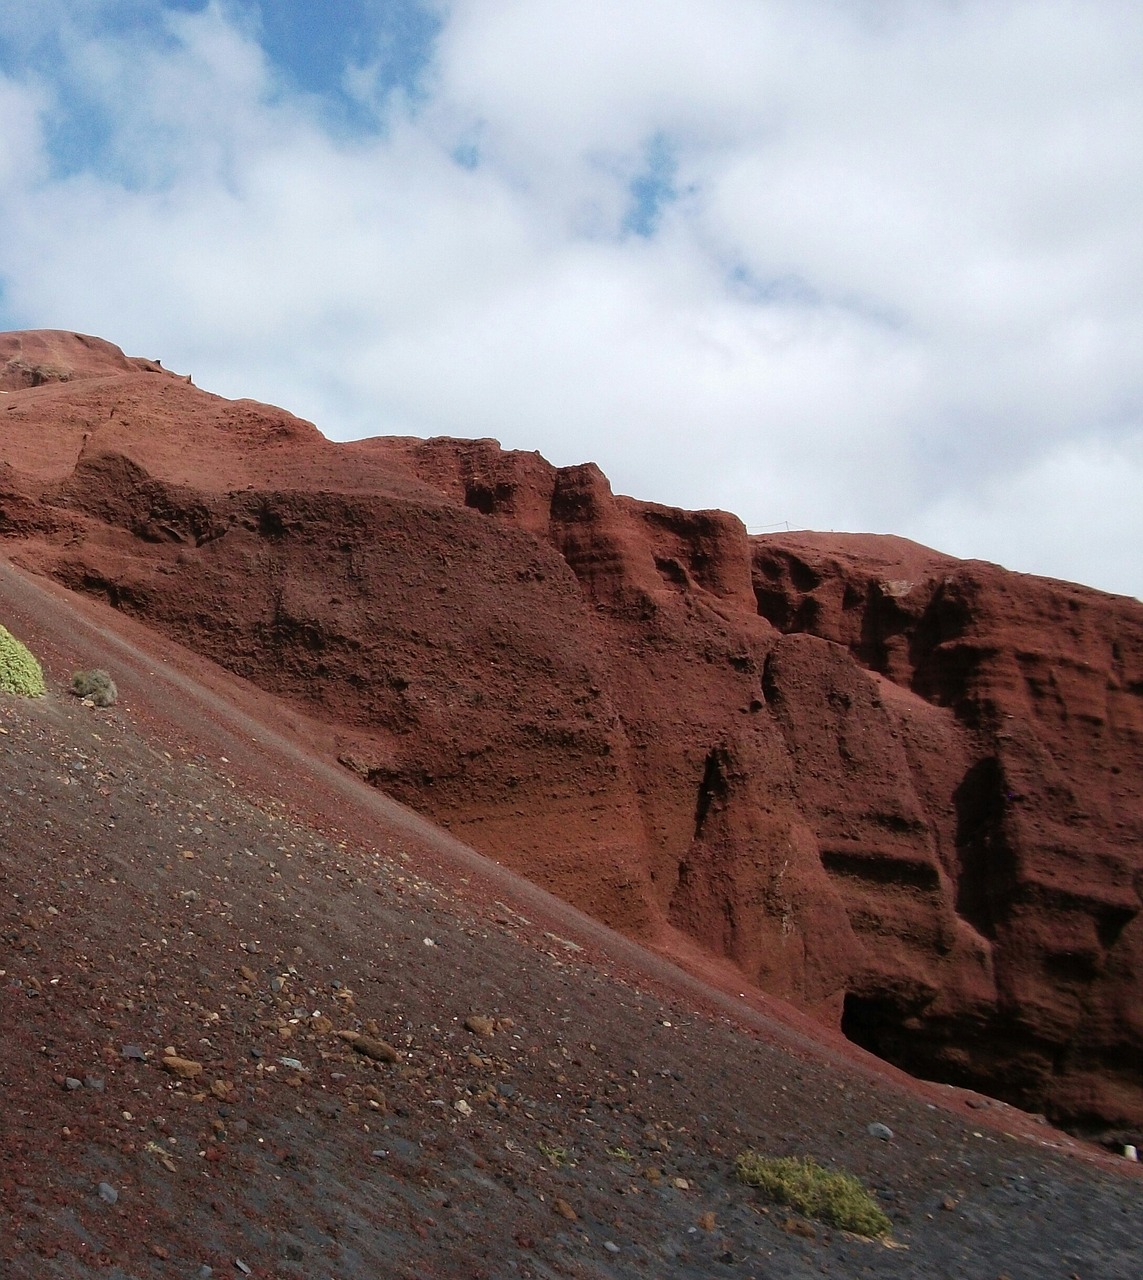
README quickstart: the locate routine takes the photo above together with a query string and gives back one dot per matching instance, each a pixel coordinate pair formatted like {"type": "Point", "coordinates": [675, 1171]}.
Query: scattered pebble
{"type": "Point", "coordinates": [879, 1130]}
{"type": "Point", "coordinates": [611, 1246]}
{"type": "Point", "coordinates": [107, 1193]}
{"type": "Point", "coordinates": [183, 1068]}
{"type": "Point", "coordinates": [378, 1050]}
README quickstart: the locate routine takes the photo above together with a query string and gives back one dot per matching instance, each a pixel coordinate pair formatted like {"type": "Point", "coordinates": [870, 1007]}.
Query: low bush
{"type": "Point", "coordinates": [19, 671]}
{"type": "Point", "coordinates": [803, 1184]}
{"type": "Point", "coordinates": [96, 686]}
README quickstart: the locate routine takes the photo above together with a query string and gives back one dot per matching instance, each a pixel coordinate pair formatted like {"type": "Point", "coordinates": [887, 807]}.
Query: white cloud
{"type": "Point", "coordinates": [901, 286]}
{"type": "Point", "coordinates": [21, 135]}
{"type": "Point", "coordinates": [1049, 516]}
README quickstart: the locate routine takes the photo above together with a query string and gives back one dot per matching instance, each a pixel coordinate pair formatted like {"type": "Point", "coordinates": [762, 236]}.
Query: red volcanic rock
{"type": "Point", "coordinates": [37, 357]}
{"type": "Point", "coordinates": [899, 790]}
{"type": "Point", "coordinates": [1034, 696]}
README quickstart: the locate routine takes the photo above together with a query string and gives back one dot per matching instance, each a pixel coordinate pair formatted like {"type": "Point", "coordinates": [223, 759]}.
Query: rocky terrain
{"type": "Point", "coordinates": [902, 792]}
{"type": "Point", "coordinates": [261, 1021]}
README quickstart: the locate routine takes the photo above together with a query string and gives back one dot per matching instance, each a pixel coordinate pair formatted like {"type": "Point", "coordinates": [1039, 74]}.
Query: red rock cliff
{"type": "Point", "coordinates": [899, 790]}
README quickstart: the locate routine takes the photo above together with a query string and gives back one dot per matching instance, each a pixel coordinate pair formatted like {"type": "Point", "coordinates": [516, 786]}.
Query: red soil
{"type": "Point", "coordinates": [900, 791]}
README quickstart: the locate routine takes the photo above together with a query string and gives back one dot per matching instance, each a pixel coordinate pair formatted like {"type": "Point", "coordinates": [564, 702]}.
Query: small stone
{"type": "Point", "coordinates": [107, 1193]}
{"type": "Point", "coordinates": [72, 1083]}
{"type": "Point", "coordinates": [948, 1204]}
{"type": "Point", "coordinates": [292, 1063]}
{"type": "Point", "coordinates": [378, 1050]}
{"type": "Point", "coordinates": [878, 1130]}
{"type": "Point", "coordinates": [479, 1025]}
{"type": "Point", "coordinates": [183, 1068]}
{"type": "Point", "coordinates": [611, 1246]}
{"type": "Point", "coordinates": [565, 1210]}
{"type": "Point", "coordinates": [247, 973]}
{"type": "Point", "coordinates": [133, 1053]}
{"type": "Point", "coordinates": [462, 1106]}
{"type": "Point", "coordinates": [681, 1184]}
{"type": "Point", "coordinates": [242, 1266]}
{"type": "Point", "coordinates": [706, 1221]}
{"type": "Point", "coordinates": [93, 1082]}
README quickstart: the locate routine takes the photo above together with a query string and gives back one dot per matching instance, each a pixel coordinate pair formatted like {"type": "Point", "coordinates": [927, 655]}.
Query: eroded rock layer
{"type": "Point", "coordinates": [899, 790]}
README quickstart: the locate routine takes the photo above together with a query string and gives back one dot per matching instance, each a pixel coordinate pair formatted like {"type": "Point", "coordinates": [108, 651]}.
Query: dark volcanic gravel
{"type": "Point", "coordinates": [172, 889]}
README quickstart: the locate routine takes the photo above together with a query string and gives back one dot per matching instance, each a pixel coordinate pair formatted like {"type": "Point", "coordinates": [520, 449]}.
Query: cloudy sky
{"type": "Point", "coordinates": [841, 264]}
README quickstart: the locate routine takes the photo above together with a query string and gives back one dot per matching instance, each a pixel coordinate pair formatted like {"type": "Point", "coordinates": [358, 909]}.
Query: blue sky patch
{"type": "Point", "coordinates": [652, 188]}
{"type": "Point", "coordinates": [467, 155]}
{"type": "Point", "coordinates": [314, 45]}
{"type": "Point", "coordinates": [310, 47]}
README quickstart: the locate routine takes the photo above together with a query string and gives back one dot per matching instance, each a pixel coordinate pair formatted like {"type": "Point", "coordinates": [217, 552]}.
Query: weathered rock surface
{"type": "Point", "coordinates": [899, 790]}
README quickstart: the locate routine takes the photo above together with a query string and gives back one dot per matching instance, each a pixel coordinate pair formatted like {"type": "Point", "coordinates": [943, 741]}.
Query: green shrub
{"type": "Point", "coordinates": [838, 1198]}
{"type": "Point", "coordinates": [19, 671]}
{"type": "Point", "coordinates": [97, 686]}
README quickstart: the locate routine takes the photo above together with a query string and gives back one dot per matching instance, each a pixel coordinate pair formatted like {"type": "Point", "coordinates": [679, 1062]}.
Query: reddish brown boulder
{"type": "Point", "coordinates": [900, 790]}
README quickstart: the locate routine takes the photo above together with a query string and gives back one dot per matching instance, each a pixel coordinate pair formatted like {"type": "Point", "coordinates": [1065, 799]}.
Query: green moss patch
{"type": "Point", "coordinates": [19, 671]}
{"type": "Point", "coordinates": [803, 1184]}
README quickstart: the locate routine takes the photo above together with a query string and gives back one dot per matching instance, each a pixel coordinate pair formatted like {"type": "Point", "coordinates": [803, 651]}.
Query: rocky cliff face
{"type": "Point", "coordinates": [902, 791]}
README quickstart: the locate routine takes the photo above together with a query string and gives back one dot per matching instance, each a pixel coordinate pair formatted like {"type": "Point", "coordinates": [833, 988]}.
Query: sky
{"type": "Point", "coordinates": [865, 265]}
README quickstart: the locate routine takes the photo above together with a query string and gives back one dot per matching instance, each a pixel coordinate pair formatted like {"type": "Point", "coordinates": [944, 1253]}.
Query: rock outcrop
{"type": "Point", "coordinates": [902, 791]}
